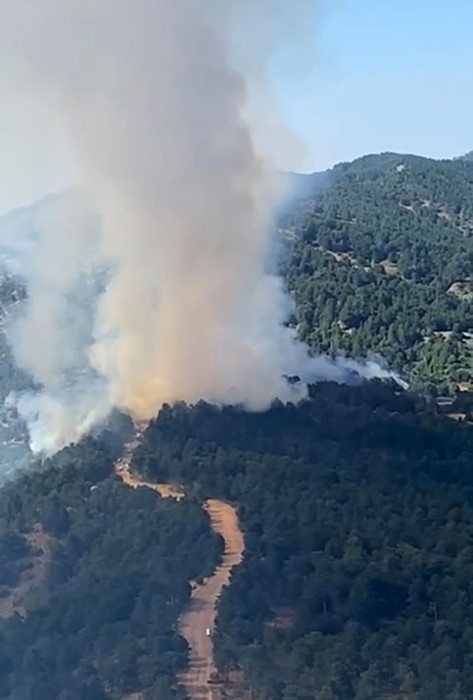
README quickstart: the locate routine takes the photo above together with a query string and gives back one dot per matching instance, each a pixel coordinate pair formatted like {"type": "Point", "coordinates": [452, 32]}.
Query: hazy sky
{"type": "Point", "coordinates": [391, 75]}
{"type": "Point", "coordinates": [378, 75]}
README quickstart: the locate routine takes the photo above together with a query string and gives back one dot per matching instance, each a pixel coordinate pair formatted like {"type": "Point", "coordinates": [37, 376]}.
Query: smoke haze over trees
{"type": "Point", "coordinates": [153, 98]}
{"type": "Point", "coordinates": [156, 282]}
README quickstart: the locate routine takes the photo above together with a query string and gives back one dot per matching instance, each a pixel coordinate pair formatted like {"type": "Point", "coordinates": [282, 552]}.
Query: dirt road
{"type": "Point", "coordinates": [196, 624]}
{"type": "Point", "coordinates": [201, 613]}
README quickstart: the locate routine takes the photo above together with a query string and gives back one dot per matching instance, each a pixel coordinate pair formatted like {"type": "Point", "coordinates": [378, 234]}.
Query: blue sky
{"type": "Point", "coordinates": [383, 75]}
{"type": "Point", "coordinates": [376, 75]}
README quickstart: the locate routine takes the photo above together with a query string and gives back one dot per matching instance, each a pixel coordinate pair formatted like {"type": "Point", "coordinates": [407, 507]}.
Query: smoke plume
{"type": "Point", "coordinates": [152, 101]}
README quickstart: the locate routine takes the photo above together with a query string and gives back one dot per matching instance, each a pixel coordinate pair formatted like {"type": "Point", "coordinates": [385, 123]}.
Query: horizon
{"type": "Point", "coordinates": [394, 77]}
{"type": "Point", "coordinates": [26, 206]}
{"type": "Point", "coordinates": [365, 80]}
{"type": "Point", "coordinates": [383, 153]}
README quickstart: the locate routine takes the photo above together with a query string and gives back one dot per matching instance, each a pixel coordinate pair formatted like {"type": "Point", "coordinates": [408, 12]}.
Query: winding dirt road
{"type": "Point", "coordinates": [197, 623]}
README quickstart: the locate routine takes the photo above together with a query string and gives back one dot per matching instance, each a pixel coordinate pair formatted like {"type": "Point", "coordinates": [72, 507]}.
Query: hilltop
{"type": "Point", "coordinates": [380, 258]}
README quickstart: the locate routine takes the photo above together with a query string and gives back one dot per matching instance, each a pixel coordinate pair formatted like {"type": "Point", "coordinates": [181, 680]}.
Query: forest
{"type": "Point", "coordinates": [99, 621]}
{"type": "Point", "coordinates": [356, 505]}
{"type": "Point", "coordinates": [357, 512]}
{"type": "Point", "coordinates": [378, 256]}
{"type": "Point", "coordinates": [357, 509]}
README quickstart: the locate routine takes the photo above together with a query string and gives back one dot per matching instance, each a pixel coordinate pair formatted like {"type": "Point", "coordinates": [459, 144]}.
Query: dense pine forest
{"type": "Point", "coordinates": [357, 508]}
{"type": "Point", "coordinates": [93, 577]}
{"type": "Point", "coordinates": [356, 505]}
{"type": "Point", "coordinates": [379, 258]}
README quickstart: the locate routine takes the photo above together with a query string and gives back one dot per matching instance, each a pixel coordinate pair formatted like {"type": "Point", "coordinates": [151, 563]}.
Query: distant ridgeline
{"type": "Point", "coordinates": [357, 509]}
{"type": "Point", "coordinates": [380, 258]}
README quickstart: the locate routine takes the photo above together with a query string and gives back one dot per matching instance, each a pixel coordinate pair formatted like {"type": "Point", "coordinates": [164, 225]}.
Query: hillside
{"type": "Point", "coordinates": [357, 514]}
{"type": "Point", "coordinates": [356, 506]}
{"type": "Point", "coordinates": [358, 518]}
{"type": "Point", "coordinates": [88, 612]}
{"type": "Point", "coordinates": [380, 258]}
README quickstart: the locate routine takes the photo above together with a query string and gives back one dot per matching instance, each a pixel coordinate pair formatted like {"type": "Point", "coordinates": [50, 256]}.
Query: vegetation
{"type": "Point", "coordinates": [101, 623]}
{"type": "Point", "coordinates": [357, 505]}
{"type": "Point", "coordinates": [381, 259]}
{"type": "Point", "coordinates": [357, 509]}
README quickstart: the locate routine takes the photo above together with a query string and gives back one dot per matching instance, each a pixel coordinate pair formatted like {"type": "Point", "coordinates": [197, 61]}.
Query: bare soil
{"type": "Point", "coordinates": [201, 613]}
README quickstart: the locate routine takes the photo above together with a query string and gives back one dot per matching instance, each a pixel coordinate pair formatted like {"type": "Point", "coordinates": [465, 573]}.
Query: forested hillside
{"type": "Point", "coordinates": [356, 505]}
{"type": "Point", "coordinates": [93, 577]}
{"type": "Point", "coordinates": [357, 509]}
{"type": "Point", "coordinates": [379, 258]}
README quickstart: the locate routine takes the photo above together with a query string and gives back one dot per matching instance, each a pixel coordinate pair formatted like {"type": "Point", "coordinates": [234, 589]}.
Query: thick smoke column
{"type": "Point", "coordinates": [154, 107]}
{"type": "Point", "coordinates": [154, 110]}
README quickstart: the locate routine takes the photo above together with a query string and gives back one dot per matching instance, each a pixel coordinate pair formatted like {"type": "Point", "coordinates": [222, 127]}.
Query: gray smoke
{"type": "Point", "coordinates": [154, 101]}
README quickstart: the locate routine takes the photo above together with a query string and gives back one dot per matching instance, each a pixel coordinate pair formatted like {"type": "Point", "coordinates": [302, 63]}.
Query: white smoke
{"type": "Point", "coordinates": [149, 94]}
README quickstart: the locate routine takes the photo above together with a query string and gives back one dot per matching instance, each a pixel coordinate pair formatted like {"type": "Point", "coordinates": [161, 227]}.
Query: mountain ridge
{"type": "Point", "coordinates": [379, 257]}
